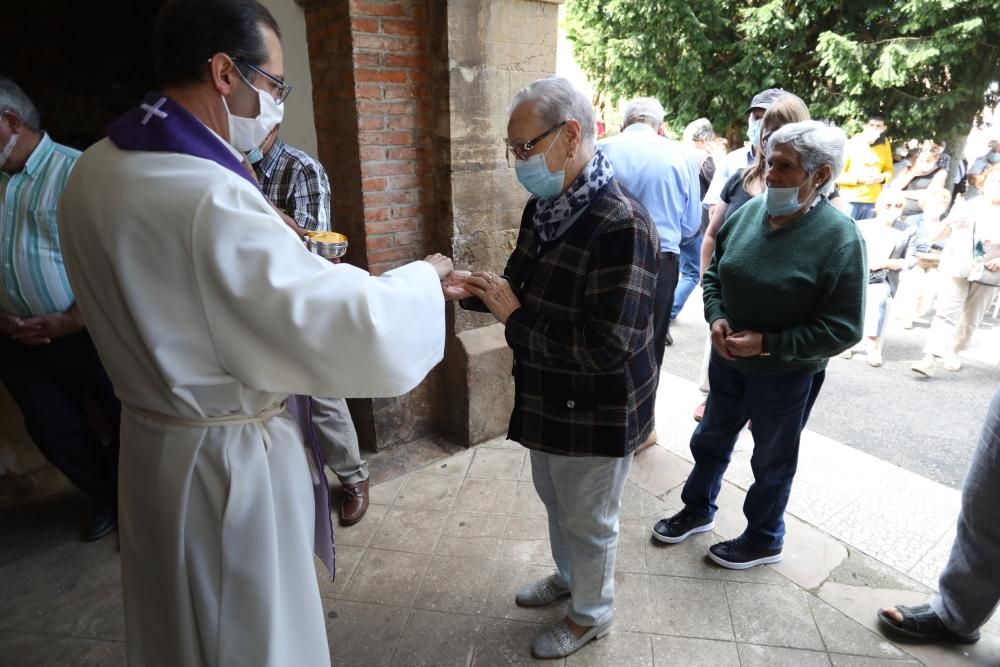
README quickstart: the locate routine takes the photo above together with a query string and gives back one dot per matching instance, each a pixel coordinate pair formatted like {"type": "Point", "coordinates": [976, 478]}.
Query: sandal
{"type": "Point", "coordinates": [921, 624]}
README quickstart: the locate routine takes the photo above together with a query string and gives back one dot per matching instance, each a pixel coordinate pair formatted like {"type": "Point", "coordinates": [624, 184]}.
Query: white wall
{"type": "Point", "coordinates": [299, 126]}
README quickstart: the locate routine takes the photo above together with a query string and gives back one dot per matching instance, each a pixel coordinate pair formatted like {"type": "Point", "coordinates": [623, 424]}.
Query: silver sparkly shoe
{"type": "Point", "coordinates": [559, 641]}
{"type": "Point", "coordinates": [540, 593]}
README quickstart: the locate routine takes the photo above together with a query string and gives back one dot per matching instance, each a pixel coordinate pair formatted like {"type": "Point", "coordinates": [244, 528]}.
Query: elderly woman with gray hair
{"type": "Point", "coordinates": [784, 292]}
{"type": "Point", "coordinates": [576, 302]}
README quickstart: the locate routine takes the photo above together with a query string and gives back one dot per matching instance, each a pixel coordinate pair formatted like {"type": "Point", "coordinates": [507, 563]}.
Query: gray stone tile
{"type": "Point", "coordinates": [657, 470]}
{"type": "Point", "coordinates": [527, 528]}
{"type": "Point", "coordinates": [453, 466]}
{"type": "Point", "coordinates": [387, 577]}
{"type": "Point", "coordinates": [412, 530]}
{"type": "Point", "coordinates": [504, 643]}
{"type": "Point", "coordinates": [489, 496]}
{"type": "Point", "coordinates": [44, 650]}
{"type": "Point", "coordinates": [690, 559]}
{"type": "Point", "coordinates": [526, 502]}
{"type": "Point", "coordinates": [385, 493]}
{"type": "Point", "coordinates": [361, 533]}
{"type": "Point", "coordinates": [530, 552]}
{"type": "Point", "coordinates": [638, 504]}
{"type": "Point", "coordinates": [349, 627]}
{"type": "Point", "coordinates": [631, 555]}
{"type": "Point", "coordinates": [842, 635]}
{"type": "Point", "coordinates": [502, 443]}
{"type": "Point", "coordinates": [617, 648]}
{"type": "Point", "coordinates": [729, 520]}
{"type": "Point", "coordinates": [672, 651]}
{"type": "Point", "coordinates": [437, 639]}
{"type": "Point", "coordinates": [347, 562]}
{"type": "Point", "coordinates": [810, 555]}
{"type": "Point", "coordinates": [914, 503]}
{"type": "Point", "coordinates": [860, 661]}
{"type": "Point", "coordinates": [471, 535]}
{"type": "Point", "coordinates": [772, 615]}
{"type": "Point", "coordinates": [772, 656]}
{"type": "Point", "coordinates": [671, 606]}
{"type": "Point", "coordinates": [496, 464]}
{"type": "Point", "coordinates": [860, 569]}
{"type": "Point", "coordinates": [431, 492]}
{"type": "Point", "coordinates": [507, 580]}
{"type": "Point", "coordinates": [880, 537]}
{"type": "Point", "coordinates": [929, 567]}
{"type": "Point", "coordinates": [459, 585]}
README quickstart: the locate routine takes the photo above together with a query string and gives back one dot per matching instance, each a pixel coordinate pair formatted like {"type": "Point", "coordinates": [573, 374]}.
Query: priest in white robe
{"type": "Point", "coordinates": [207, 312]}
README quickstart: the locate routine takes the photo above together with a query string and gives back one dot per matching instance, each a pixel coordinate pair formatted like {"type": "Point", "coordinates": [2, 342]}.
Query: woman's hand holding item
{"type": "Point", "coordinates": [495, 292]}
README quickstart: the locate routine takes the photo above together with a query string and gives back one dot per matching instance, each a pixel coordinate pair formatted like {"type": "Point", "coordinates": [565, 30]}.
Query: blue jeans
{"type": "Point", "coordinates": [861, 211]}
{"type": "Point", "coordinates": [583, 498]}
{"type": "Point", "coordinates": [778, 406]}
{"type": "Point", "coordinates": [690, 261]}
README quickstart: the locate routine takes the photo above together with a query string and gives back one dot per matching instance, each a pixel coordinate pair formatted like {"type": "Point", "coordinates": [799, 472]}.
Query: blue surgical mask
{"type": "Point", "coordinates": [783, 201]}
{"type": "Point", "coordinates": [535, 176]}
{"type": "Point", "coordinates": [255, 155]}
{"type": "Point", "coordinates": [994, 157]}
{"type": "Point", "coordinates": [754, 130]}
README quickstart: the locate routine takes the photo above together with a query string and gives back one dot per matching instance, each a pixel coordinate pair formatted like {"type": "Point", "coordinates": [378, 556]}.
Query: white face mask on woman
{"type": "Point", "coordinates": [247, 133]}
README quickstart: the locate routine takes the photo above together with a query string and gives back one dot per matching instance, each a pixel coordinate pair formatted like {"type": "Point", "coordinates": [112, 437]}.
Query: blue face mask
{"type": "Point", "coordinates": [994, 157]}
{"type": "Point", "coordinates": [536, 178]}
{"type": "Point", "coordinates": [783, 201]}
{"type": "Point", "coordinates": [255, 155]}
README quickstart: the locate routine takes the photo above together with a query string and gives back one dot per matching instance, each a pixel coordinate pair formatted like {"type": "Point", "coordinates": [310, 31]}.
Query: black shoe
{"type": "Point", "coordinates": [105, 520]}
{"type": "Point", "coordinates": [739, 554]}
{"type": "Point", "coordinates": [921, 624]}
{"type": "Point", "coordinates": [681, 526]}
{"type": "Point", "coordinates": [668, 340]}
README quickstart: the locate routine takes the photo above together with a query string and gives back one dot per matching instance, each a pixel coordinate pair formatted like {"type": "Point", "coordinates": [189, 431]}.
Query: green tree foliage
{"type": "Point", "coordinates": [924, 63]}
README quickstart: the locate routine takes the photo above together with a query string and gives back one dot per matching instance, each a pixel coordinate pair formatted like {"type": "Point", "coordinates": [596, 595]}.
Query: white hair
{"type": "Point", "coordinates": [644, 109]}
{"type": "Point", "coordinates": [555, 100]}
{"type": "Point", "coordinates": [817, 144]}
{"type": "Point", "coordinates": [12, 98]}
{"type": "Point", "coordinates": [699, 130]}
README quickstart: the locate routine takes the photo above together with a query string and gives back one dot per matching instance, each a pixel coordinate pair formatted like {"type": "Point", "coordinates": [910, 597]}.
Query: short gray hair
{"type": "Point", "coordinates": [556, 99]}
{"type": "Point", "coordinates": [699, 130]}
{"type": "Point", "coordinates": [817, 144]}
{"type": "Point", "coordinates": [644, 109]}
{"type": "Point", "coordinates": [12, 98]}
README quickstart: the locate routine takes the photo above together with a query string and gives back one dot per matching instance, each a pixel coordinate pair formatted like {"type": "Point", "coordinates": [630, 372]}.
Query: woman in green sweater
{"type": "Point", "coordinates": [784, 292]}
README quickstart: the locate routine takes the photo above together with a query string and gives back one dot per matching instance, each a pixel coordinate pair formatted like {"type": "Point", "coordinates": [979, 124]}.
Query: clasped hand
{"type": "Point", "coordinates": [493, 290]}
{"type": "Point", "coordinates": [732, 344]}
{"type": "Point", "coordinates": [40, 330]}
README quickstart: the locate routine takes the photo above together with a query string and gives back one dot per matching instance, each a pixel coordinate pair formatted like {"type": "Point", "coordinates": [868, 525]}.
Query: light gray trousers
{"type": "Point", "coordinates": [338, 439]}
{"type": "Point", "coordinates": [970, 582]}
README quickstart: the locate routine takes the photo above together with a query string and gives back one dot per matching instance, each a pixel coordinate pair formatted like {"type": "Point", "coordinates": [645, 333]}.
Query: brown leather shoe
{"type": "Point", "coordinates": [355, 502]}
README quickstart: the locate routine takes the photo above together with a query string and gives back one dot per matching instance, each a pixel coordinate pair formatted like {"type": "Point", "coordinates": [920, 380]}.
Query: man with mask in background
{"type": "Point", "coordinates": [47, 361]}
{"type": "Point", "coordinates": [209, 311]}
{"type": "Point", "coordinates": [867, 168]}
{"type": "Point", "coordinates": [299, 188]}
{"type": "Point", "coordinates": [742, 157]}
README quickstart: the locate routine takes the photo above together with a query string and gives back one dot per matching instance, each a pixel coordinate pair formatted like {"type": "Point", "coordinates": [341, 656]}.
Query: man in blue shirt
{"type": "Point", "coordinates": [47, 360]}
{"type": "Point", "coordinates": [663, 176]}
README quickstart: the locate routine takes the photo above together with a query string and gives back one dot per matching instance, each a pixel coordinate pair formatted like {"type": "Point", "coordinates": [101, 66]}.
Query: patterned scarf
{"type": "Point", "coordinates": [551, 213]}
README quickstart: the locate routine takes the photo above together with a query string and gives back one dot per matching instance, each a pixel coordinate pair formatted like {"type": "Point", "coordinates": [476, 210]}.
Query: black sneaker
{"type": "Point", "coordinates": [739, 554]}
{"type": "Point", "coordinates": [681, 526]}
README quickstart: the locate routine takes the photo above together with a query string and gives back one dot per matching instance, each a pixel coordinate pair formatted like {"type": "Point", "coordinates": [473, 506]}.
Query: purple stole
{"type": "Point", "coordinates": [161, 125]}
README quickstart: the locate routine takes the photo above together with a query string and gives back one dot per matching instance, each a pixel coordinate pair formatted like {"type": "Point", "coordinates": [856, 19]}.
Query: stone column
{"type": "Point", "coordinates": [493, 50]}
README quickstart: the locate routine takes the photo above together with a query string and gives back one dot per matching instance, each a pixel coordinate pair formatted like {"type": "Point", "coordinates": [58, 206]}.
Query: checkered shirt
{"type": "Point", "coordinates": [297, 184]}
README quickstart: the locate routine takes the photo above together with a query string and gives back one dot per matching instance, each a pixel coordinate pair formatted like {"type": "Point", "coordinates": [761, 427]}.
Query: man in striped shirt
{"type": "Point", "coordinates": [47, 360]}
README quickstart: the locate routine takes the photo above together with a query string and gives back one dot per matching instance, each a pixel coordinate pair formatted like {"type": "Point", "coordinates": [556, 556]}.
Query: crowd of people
{"type": "Point", "coordinates": [163, 273]}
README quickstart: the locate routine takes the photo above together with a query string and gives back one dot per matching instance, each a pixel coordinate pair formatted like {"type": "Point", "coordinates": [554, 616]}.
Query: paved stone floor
{"type": "Point", "coordinates": [428, 577]}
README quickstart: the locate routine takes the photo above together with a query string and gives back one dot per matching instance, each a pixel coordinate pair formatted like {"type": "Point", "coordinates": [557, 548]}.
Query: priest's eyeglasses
{"type": "Point", "coordinates": [521, 151]}
{"type": "Point", "coordinates": [281, 90]}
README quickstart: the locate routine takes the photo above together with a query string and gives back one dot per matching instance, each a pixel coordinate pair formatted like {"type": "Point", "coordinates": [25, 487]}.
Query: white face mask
{"type": "Point", "coordinates": [7, 150]}
{"type": "Point", "coordinates": [247, 133]}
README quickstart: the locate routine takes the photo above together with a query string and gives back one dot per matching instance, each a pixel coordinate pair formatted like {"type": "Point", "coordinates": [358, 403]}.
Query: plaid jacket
{"type": "Point", "coordinates": [297, 184]}
{"type": "Point", "coordinates": [584, 370]}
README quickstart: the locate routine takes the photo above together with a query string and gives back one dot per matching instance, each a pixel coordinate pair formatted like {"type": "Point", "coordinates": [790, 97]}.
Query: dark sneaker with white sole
{"type": "Point", "coordinates": [739, 554]}
{"type": "Point", "coordinates": [681, 526]}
